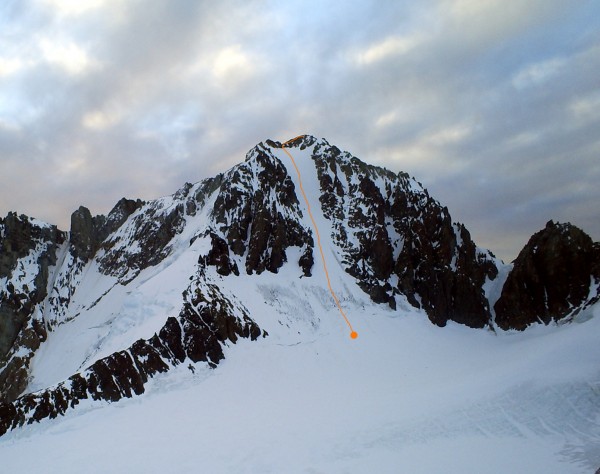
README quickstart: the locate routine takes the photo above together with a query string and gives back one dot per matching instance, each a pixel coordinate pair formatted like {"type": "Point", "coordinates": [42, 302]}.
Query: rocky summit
{"type": "Point", "coordinates": [554, 276]}
{"type": "Point", "coordinates": [395, 243]}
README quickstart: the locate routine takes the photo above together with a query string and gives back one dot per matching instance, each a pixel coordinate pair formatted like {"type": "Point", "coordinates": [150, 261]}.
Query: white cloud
{"type": "Point", "coordinates": [538, 73]}
{"type": "Point", "coordinates": [9, 66]}
{"type": "Point", "coordinates": [232, 65]}
{"type": "Point", "coordinates": [67, 55]}
{"type": "Point", "coordinates": [585, 109]}
{"type": "Point", "coordinates": [386, 119]}
{"type": "Point", "coordinates": [448, 135]}
{"type": "Point", "coordinates": [388, 48]}
{"type": "Point", "coordinates": [16, 112]}
{"type": "Point", "coordinates": [102, 119]}
{"type": "Point", "coordinates": [74, 7]}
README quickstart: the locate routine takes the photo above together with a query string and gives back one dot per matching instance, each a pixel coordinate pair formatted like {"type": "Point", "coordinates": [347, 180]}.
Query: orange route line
{"type": "Point", "coordinates": [353, 333]}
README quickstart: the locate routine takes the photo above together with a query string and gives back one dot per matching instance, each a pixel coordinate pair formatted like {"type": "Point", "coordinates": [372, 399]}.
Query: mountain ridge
{"type": "Point", "coordinates": [399, 245]}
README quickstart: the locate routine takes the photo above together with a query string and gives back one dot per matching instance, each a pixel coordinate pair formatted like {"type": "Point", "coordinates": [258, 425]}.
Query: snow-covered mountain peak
{"type": "Point", "coordinates": [98, 312]}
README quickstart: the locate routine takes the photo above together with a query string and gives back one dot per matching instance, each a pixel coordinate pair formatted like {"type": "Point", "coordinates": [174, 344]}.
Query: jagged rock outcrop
{"type": "Point", "coordinates": [207, 320]}
{"type": "Point", "coordinates": [554, 274]}
{"type": "Point", "coordinates": [85, 233]}
{"type": "Point", "coordinates": [88, 233]}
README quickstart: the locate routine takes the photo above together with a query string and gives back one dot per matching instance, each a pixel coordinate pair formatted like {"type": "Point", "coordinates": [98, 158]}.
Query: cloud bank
{"type": "Point", "coordinates": [493, 106]}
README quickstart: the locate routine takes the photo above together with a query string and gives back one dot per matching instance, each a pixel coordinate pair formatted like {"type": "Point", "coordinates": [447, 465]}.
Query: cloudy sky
{"type": "Point", "coordinates": [494, 105]}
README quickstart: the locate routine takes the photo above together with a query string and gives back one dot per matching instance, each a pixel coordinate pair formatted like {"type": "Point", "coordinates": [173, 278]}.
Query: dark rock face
{"type": "Point", "coordinates": [551, 277]}
{"type": "Point", "coordinates": [207, 320]}
{"type": "Point", "coordinates": [24, 244]}
{"type": "Point", "coordinates": [85, 231]}
{"type": "Point", "coordinates": [396, 239]}
{"type": "Point", "coordinates": [256, 211]}
{"type": "Point", "coordinates": [219, 256]}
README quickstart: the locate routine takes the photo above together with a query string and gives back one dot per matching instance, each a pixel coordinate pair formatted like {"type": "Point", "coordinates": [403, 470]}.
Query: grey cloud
{"type": "Point", "coordinates": [490, 105]}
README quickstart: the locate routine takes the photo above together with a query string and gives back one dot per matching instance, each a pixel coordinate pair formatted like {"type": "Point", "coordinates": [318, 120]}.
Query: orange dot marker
{"type": "Point", "coordinates": [353, 333]}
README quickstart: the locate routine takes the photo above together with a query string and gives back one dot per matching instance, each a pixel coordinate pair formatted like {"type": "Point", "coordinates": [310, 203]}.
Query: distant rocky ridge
{"type": "Point", "coordinates": [391, 235]}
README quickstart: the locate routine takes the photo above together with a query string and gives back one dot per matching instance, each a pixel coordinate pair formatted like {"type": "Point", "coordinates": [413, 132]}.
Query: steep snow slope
{"type": "Point", "coordinates": [107, 313]}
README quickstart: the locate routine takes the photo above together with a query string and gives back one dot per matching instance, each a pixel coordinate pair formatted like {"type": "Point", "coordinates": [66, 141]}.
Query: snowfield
{"type": "Point", "coordinates": [406, 396]}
